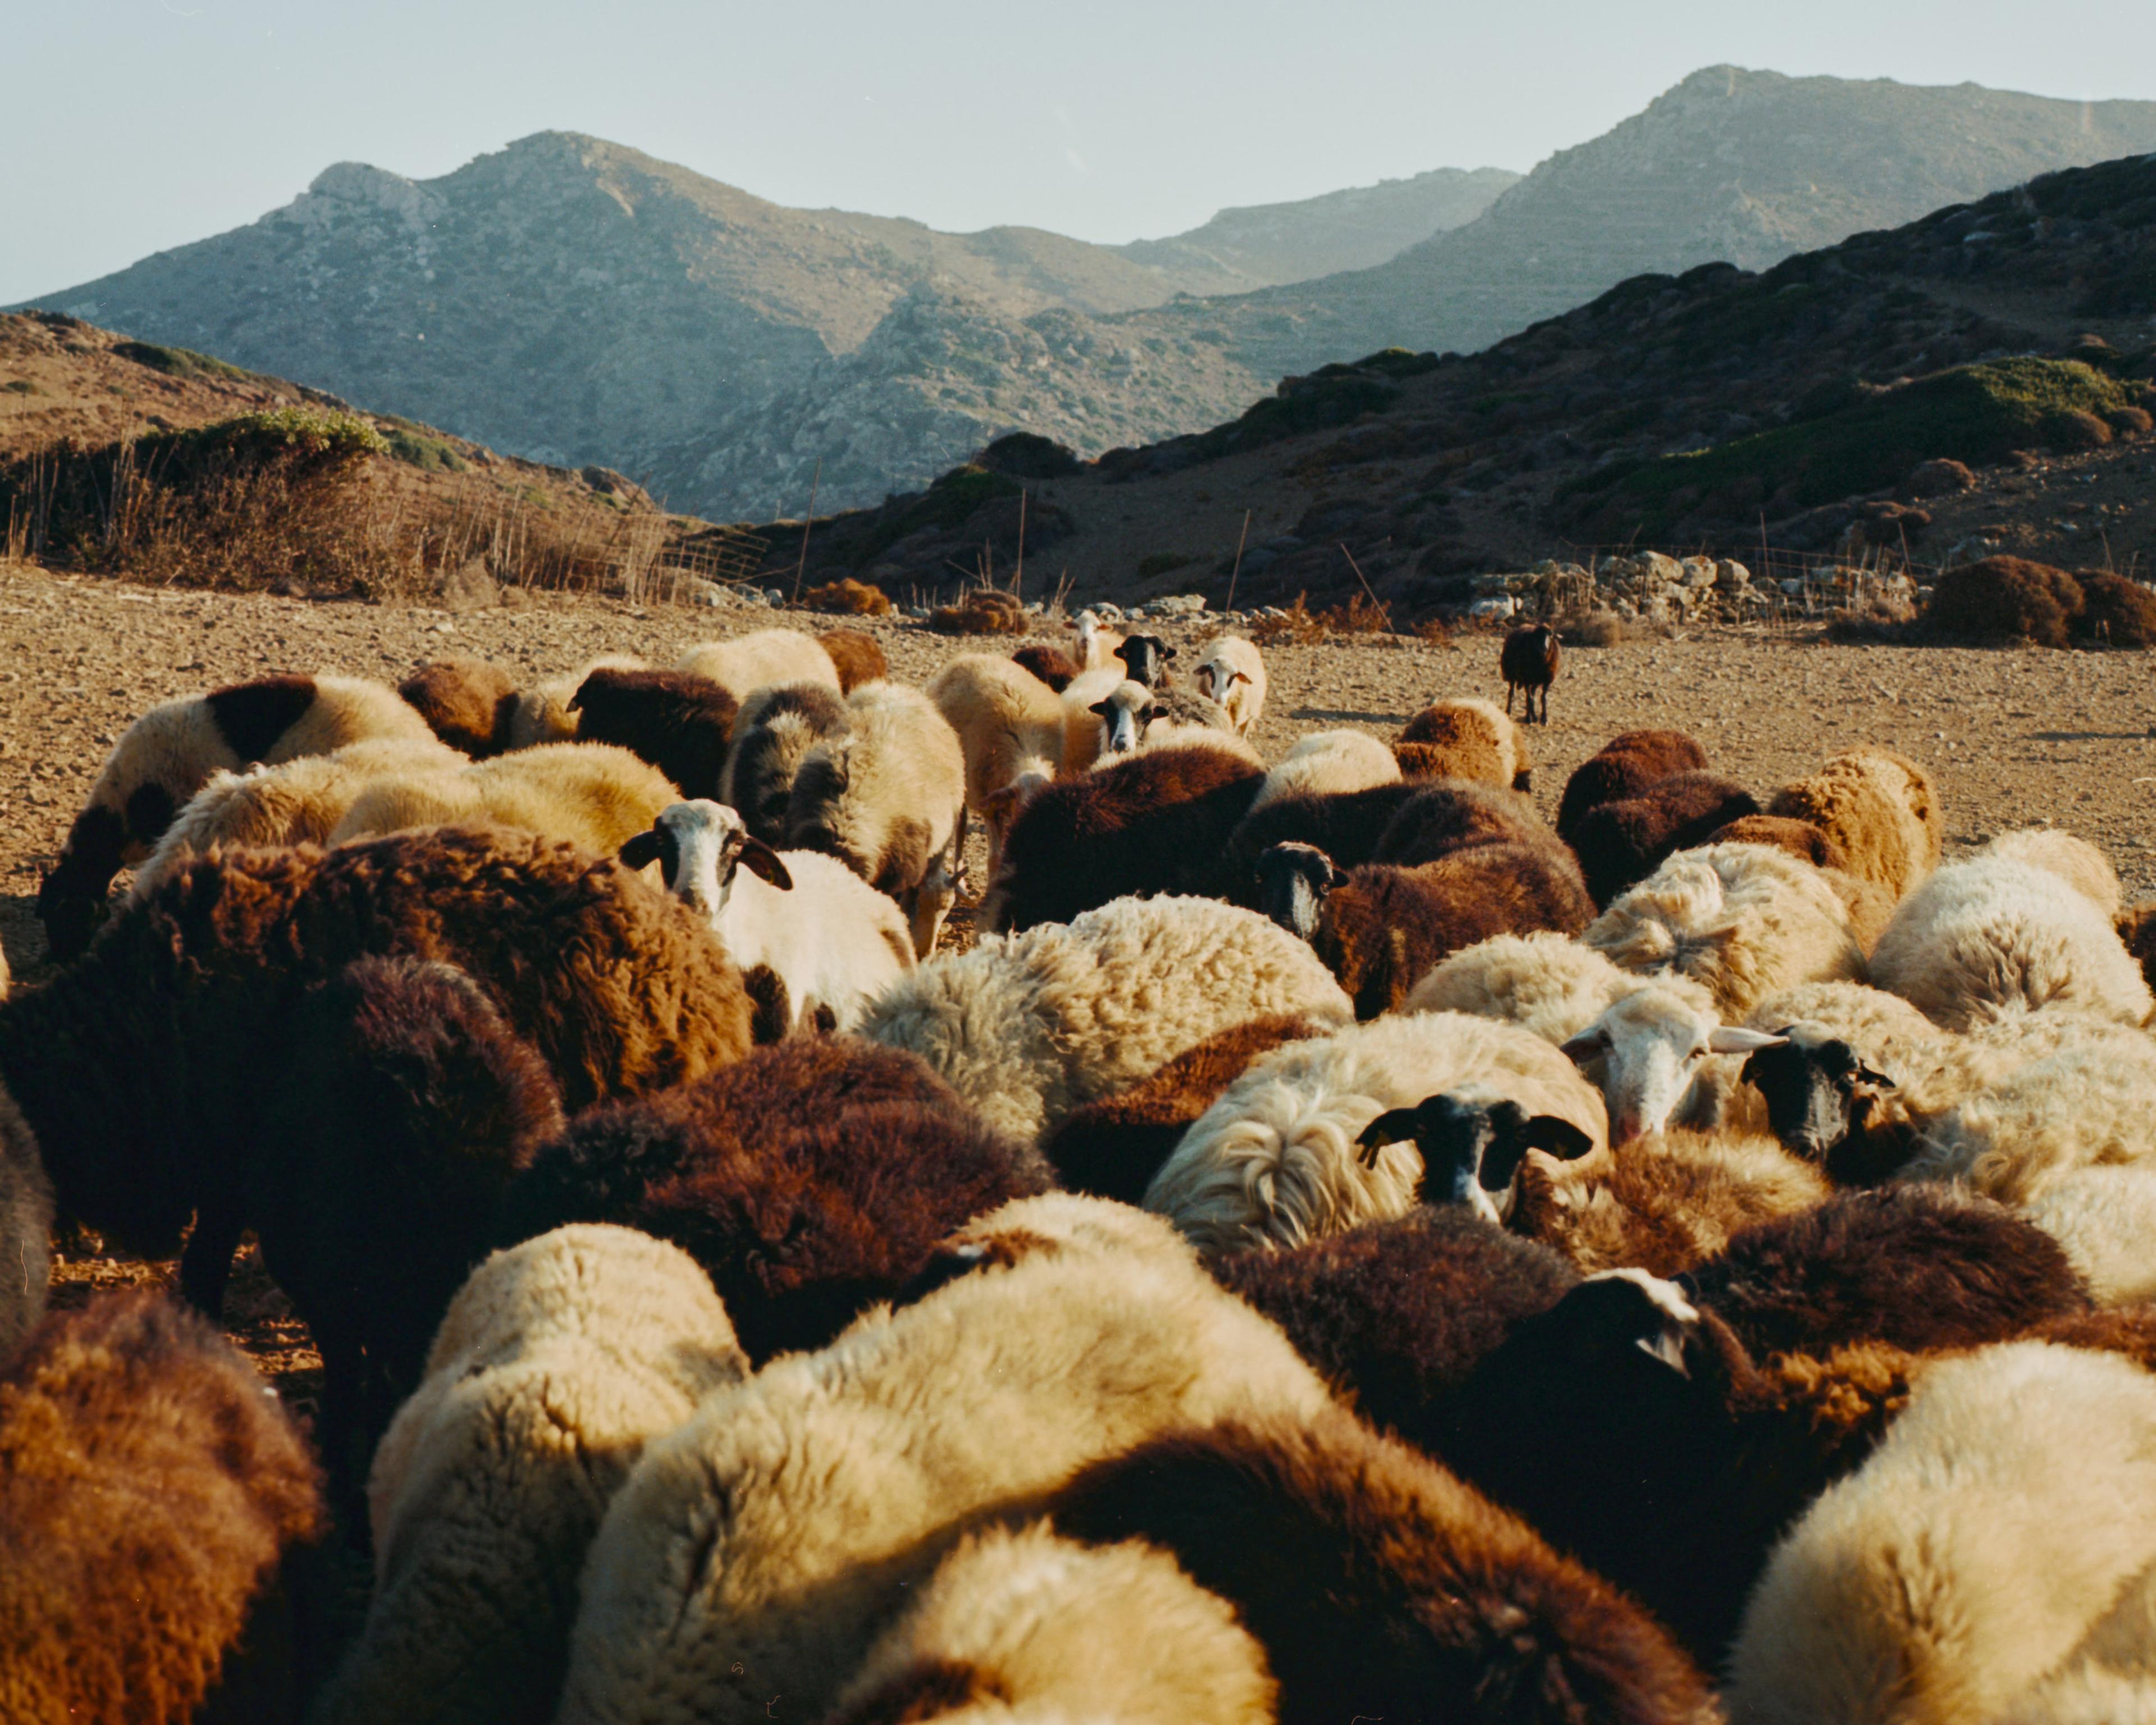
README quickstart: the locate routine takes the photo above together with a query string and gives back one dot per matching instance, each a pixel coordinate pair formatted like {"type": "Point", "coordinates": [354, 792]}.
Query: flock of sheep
{"type": "Point", "coordinates": [1336, 1246]}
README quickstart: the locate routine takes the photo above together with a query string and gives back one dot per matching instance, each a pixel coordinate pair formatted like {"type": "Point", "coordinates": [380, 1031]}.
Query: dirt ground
{"type": "Point", "coordinates": [2016, 738]}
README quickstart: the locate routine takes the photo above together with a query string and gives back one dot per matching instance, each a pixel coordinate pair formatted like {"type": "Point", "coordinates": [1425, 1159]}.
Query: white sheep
{"type": "Point", "coordinates": [1009, 725]}
{"type": "Point", "coordinates": [1997, 1523]}
{"type": "Point", "coordinates": [830, 939]}
{"type": "Point", "coordinates": [558, 1361]}
{"type": "Point", "coordinates": [1026, 1617]}
{"type": "Point", "coordinates": [2105, 1218]}
{"type": "Point", "coordinates": [1135, 719]}
{"type": "Point", "coordinates": [1745, 921]}
{"type": "Point", "coordinates": [1029, 1027]}
{"type": "Point", "coordinates": [1233, 672]}
{"type": "Point", "coordinates": [2004, 930]}
{"type": "Point", "coordinates": [754, 661]}
{"type": "Point", "coordinates": [297, 802]}
{"type": "Point", "coordinates": [1329, 763]}
{"type": "Point", "coordinates": [592, 794]}
{"type": "Point", "coordinates": [1097, 643]}
{"type": "Point", "coordinates": [2075, 861]}
{"type": "Point", "coordinates": [541, 713]}
{"type": "Point", "coordinates": [1278, 1161]}
{"type": "Point", "coordinates": [756, 1551]}
{"type": "Point", "coordinates": [1083, 732]}
{"type": "Point", "coordinates": [884, 798]}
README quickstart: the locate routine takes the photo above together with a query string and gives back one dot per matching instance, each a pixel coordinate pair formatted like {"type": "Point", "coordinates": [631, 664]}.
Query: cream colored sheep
{"type": "Point", "coordinates": [559, 1360]}
{"type": "Point", "coordinates": [1232, 671]}
{"type": "Point", "coordinates": [1020, 1622]}
{"type": "Point", "coordinates": [1275, 1161]}
{"type": "Point", "coordinates": [1746, 920]}
{"type": "Point", "coordinates": [1997, 932]}
{"type": "Point", "coordinates": [1009, 725]}
{"type": "Point", "coordinates": [300, 802]}
{"type": "Point", "coordinates": [2105, 1217]}
{"type": "Point", "coordinates": [1464, 736]}
{"type": "Point", "coordinates": [1097, 643]}
{"type": "Point", "coordinates": [1998, 1521]}
{"type": "Point", "coordinates": [751, 662]}
{"type": "Point", "coordinates": [2075, 861]}
{"type": "Point", "coordinates": [754, 1555]}
{"type": "Point", "coordinates": [1029, 1027]}
{"type": "Point", "coordinates": [1084, 734]}
{"type": "Point", "coordinates": [590, 794]}
{"type": "Point", "coordinates": [1329, 761]}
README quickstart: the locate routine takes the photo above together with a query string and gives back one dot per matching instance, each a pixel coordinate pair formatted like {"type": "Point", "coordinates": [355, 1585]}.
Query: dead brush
{"type": "Point", "coordinates": [848, 597]}
{"type": "Point", "coordinates": [1292, 626]}
{"type": "Point", "coordinates": [984, 612]}
{"type": "Point", "coordinates": [1361, 615]}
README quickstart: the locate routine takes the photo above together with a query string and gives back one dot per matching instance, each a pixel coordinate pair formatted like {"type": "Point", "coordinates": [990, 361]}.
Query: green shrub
{"type": "Point", "coordinates": [415, 446]}
{"type": "Point", "coordinates": [180, 362]}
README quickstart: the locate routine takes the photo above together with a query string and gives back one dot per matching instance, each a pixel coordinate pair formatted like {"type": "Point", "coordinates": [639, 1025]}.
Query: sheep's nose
{"type": "Point", "coordinates": [1626, 1124]}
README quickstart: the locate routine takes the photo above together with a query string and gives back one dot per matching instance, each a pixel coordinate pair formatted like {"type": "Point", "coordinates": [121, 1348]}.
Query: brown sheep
{"type": "Point", "coordinates": [1464, 739]}
{"type": "Point", "coordinates": [1380, 1586]}
{"type": "Point", "coordinates": [150, 1488]}
{"type": "Point", "coordinates": [1113, 1148]}
{"type": "Point", "coordinates": [2137, 928]}
{"type": "Point", "coordinates": [1051, 665]}
{"type": "Point", "coordinates": [1620, 843]}
{"type": "Point", "coordinates": [810, 1181]}
{"type": "Point", "coordinates": [467, 702]}
{"type": "Point", "coordinates": [1346, 825]}
{"type": "Point", "coordinates": [142, 1067]}
{"type": "Point", "coordinates": [679, 722]}
{"type": "Point", "coordinates": [1157, 823]}
{"type": "Point", "coordinates": [858, 656]}
{"type": "Point", "coordinates": [1800, 839]}
{"type": "Point", "coordinates": [1882, 809]}
{"type": "Point", "coordinates": [1446, 813]}
{"type": "Point", "coordinates": [1625, 766]}
{"type": "Point", "coordinates": [1529, 660]}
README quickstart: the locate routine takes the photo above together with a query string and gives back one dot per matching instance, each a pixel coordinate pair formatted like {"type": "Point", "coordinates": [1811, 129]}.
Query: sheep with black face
{"type": "Point", "coordinates": [1145, 658]}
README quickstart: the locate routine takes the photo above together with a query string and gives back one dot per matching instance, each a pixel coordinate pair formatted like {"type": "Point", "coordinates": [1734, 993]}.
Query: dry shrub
{"type": "Point", "coordinates": [1361, 615]}
{"type": "Point", "coordinates": [1598, 628]}
{"type": "Point", "coordinates": [1434, 631]}
{"type": "Point", "coordinates": [1873, 621]}
{"type": "Point", "coordinates": [2003, 599]}
{"type": "Point", "coordinates": [854, 598]}
{"type": "Point", "coordinates": [984, 612]}
{"type": "Point", "coordinates": [2077, 428]}
{"type": "Point", "coordinates": [2116, 611]}
{"type": "Point", "coordinates": [1294, 627]}
{"type": "Point", "coordinates": [2131, 421]}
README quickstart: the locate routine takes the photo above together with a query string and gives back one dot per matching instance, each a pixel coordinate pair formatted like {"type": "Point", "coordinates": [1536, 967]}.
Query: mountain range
{"type": "Point", "coordinates": [575, 301]}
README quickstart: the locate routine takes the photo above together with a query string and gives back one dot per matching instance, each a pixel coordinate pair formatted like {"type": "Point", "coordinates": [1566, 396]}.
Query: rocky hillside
{"type": "Point", "coordinates": [1983, 378]}
{"type": "Point", "coordinates": [576, 302]}
{"type": "Point", "coordinates": [1268, 244]}
{"type": "Point", "coordinates": [1731, 166]}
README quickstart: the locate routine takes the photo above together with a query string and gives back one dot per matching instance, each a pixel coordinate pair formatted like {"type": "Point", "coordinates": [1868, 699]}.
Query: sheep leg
{"type": "Point", "coordinates": [206, 1264]}
{"type": "Point", "coordinates": [958, 852]}
{"type": "Point", "coordinates": [1509, 690]}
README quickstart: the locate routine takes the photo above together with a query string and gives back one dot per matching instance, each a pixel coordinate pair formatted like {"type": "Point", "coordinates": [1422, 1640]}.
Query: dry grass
{"type": "Point", "coordinates": [983, 612]}
{"type": "Point", "coordinates": [849, 598]}
{"type": "Point", "coordinates": [1295, 626]}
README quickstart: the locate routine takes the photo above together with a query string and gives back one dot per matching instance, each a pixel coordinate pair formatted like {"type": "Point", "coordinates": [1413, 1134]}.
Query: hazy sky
{"type": "Point", "coordinates": [130, 126]}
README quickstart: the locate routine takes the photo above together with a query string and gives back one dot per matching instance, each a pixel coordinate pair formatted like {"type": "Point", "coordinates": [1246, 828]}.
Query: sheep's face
{"type": "Point", "coordinates": [699, 847]}
{"type": "Point", "coordinates": [1472, 1146]}
{"type": "Point", "coordinates": [1294, 882]}
{"type": "Point", "coordinates": [1817, 1088]}
{"type": "Point", "coordinates": [1649, 1047]}
{"type": "Point", "coordinates": [1147, 658]}
{"type": "Point", "coordinates": [1124, 717]}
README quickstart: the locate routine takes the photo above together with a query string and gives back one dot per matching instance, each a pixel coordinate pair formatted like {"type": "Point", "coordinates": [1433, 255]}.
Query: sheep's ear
{"type": "Point", "coordinates": [1396, 1126]}
{"type": "Point", "coordinates": [1102, 707]}
{"type": "Point", "coordinates": [1866, 1074]}
{"type": "Point", "coordinates": [1559, 1137]}
{"type": "Point", "coordinates": [1587, 1045]}
{"type": "Point", "coordinates": [1166, 651]}
{"type": "Point", "coordinates": [641, 850]}
{"type": "Point", "coordinates": [1734, 1038]}
{"type": "Point", "coordinates": [1240, 677]}
{"type": "Point", "coordinates": [760, 859]}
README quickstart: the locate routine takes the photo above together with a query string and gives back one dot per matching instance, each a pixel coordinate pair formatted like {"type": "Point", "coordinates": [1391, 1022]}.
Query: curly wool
{"type": "Point", "coordinates": [1881, 807]}
{"type": "Point", "coordinates": [151, 1484]}
{"type": "Point", "coordinates": [757, 1551]}
{"type": "Point", "coordinates": [1273, 1162]}
{"type": "Point", "coordinates": [1625, 767]}
{"type": "Point", "coordinates": [774, 732]}
{"type": "Point", "coordinates": [2075, 861]}
{"type": "Point", "coordinates": [467, 702]}
{"type": "Point", "coordinates": [1030, 1028]}
{"type": "Point", "coordinates": [1329, 764]}
{"type": "Point", "coordinates": [1013, 1624]}
{"type": "Point", "coordinates": [760, 658]}
{"type": "Point", "coordinates": [558, 1361]}
{"type": "Point", "coordinates": [1620, 843]}
{"type": "Point", "coordinates": [1745, 921]}
{"type": "Point", "coordinates": [1465, 737]}
{"type": "Point", "coordinates": [2104, 1219]}
{"type": "Point", "coordinates": [585, 793]}
{"type": "Point", "coordinates": [1545, 983]}
{"type": "Point", "coordinates": [683, 725]}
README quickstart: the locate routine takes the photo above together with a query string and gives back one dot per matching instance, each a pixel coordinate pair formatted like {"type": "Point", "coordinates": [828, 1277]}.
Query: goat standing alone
{"type": "Point", "coordinates": [1529, 662]}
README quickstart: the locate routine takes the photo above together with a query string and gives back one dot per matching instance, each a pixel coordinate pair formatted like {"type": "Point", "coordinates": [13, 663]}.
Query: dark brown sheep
{"type": "Point", "coordinates": [857, 656]}
{"type": "Point", "coordinates": [465, 701]}
{"type": "Point", "coordinates": [1395, 1315]}
{"type": "Point", "coordinates": [681, 723]}
{"type": "Point", "coordinates": [1446, 814]}
{"type": "Point", "coordinates": [1799, 838]}
{"type": "Point", "coordinates": [1624, 766]}
{"type": "Point", "coordinates": [1158, 822]}
{"type": "Point", "coordinates": [1910, 1267]}
{"type": "Point", "coordinates": [1633, 1430]}
{"type": "Point", "coordinates": [1381, 928]}
{"type": "Point", "coordinates": [151, 1489]}
{"type": "Point", "coordinates": [1113, 1148]}
{"type": "Point", "coordinates": [1380, 1586]}
{"type": "Point", "coordinates": [26, 1229]}
{"type": "Point", "coordinates": [2137, 928]}
{"type": "Point", "coordinates": [1346, 825]}
{"type": "Point", "coordinates": [391, 1122]}
{"type": "Point", "coordinates": [1529, 660]}
{"type": "Point", "coordinates": [142, 1069]}
{"type": "Point", "coordinates": [810, 1180]}
{"type": "Point", "coordinates": [1051, 665]}
{"type": "Point", "coordinates": [1620, 843]}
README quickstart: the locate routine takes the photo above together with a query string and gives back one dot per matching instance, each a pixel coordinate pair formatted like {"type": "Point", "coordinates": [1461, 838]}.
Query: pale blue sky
{"type": "Point", "coordinates": [130, 126]}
